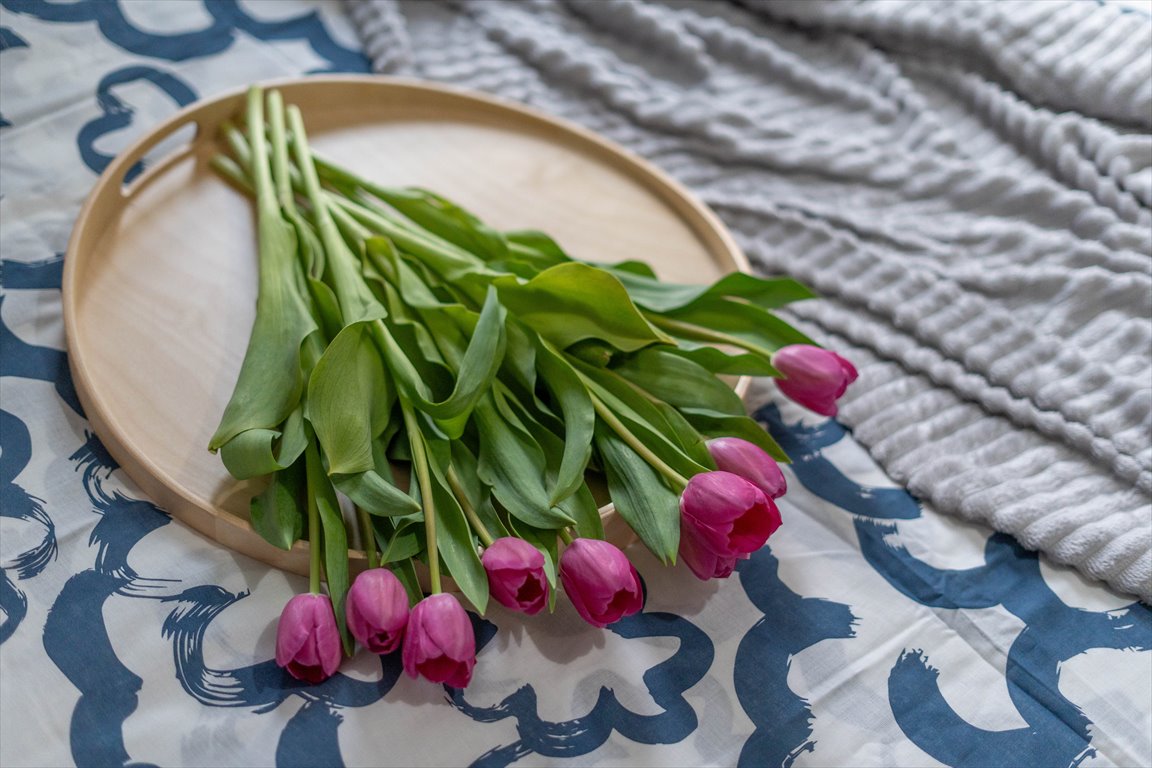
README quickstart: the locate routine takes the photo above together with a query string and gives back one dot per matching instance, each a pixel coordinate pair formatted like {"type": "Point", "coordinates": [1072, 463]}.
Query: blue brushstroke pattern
{"type": "Point", "coordinates": [32, 275]}
{"type": "Point", "coordinates": [263, 685]}
{"type": "Point", "coordinates": [77, 641]}
{"type": "Point", "coordinates": [666, 683]}
{"type": "Point", "coordinates": [790, 624]}
{"type": "Point", "coordinates": [20, 359]}
{"type": "Point", "coordinates": [18, 504]}
{"type": "Point", "coordinates": [116, 28]}
{"type": "Point", "coordinates": [9, 40]}
{"type": "Point", "coordinates": [306, 27]}
{"type": "Point", "coordinates": [14, 604]}
{"type": "Point", "coordinates": [310, 738]}
{"type": "Point", "coordinates": [75, 637]}
{"type": "Point", "coordinates": [115, 115]}
{"type": "Point", "coordinates": [227, 18]}
{"type": "Point", "coordinates": [1058, 731]}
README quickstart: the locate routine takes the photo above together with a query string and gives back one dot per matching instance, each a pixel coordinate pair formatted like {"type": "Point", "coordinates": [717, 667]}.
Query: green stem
{"type": "Point", "coordinates": [262, 175]}
{"type": "Point", "coordinates": [700, 333]}
{"type": "Point", "coordinates": [420, 465]}
{"type": "Point", "coordinates": [238, 143]}
{"type": "Point", "coordinates": [566, 536]}
{"type": "Point", "coordinates": [442, 257]}
{"type": "Point", "coordinates": [368, 534]}
{"type": "Point", "coordinates": [280, 173]}
{"type": "Point", "coordinates": [231, 170]}
{"type": "Point", "coordinates": [351, 228]}
{"type": "Point", "coordinates": [605, 413]}
{"type": "Point", "coordinates": [469, 510]}
{"type": "Point", "coordinates": [324, 223]}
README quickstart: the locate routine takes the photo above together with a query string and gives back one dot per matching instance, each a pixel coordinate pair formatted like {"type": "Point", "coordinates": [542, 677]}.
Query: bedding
{"type": "Point", "coordinates": [874, 629]}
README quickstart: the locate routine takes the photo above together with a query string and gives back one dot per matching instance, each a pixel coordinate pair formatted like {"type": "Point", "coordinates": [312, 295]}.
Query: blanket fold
{"type": "Point", "coordinates": [968, 185]}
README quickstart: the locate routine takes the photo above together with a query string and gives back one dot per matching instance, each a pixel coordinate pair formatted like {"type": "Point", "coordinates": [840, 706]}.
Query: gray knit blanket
{"type": "Point", "coordinates": [968, 184]}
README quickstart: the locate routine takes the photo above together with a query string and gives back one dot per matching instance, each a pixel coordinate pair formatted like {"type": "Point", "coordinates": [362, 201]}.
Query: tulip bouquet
{"type": "Point", "coordinates": [395, 330]}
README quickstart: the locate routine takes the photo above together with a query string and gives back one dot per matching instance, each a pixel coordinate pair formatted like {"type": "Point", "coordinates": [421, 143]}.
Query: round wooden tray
{"type": "Point", "coordinates": [160, 278]}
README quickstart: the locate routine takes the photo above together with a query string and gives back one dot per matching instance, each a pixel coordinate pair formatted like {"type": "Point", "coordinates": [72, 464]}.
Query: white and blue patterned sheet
{"type": "Point", "coordinates": [868, 632]}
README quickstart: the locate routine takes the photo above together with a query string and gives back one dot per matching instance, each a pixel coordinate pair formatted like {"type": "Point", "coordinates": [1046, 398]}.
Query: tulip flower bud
{"type": "Point", "coordinates": [600, 581]}
{"type": "Point", "coordinates": [726, 515]}
{"type": "Point", "coordinates": [750, 462]}
{"type": "Point", "coordinates": [307, 640]}
{"type": "Point", "coordinates": [516, 575]}
{"type": "Point", "coordinates": [440, 644]}
{"type": "Point", "coordinates": [813, 377]}
{"type": "Point", "coordinates": [377, 610]}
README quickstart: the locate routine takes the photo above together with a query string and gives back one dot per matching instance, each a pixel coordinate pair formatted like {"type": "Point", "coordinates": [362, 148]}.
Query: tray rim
{"type": "Point", "coordinates": [237, 533]}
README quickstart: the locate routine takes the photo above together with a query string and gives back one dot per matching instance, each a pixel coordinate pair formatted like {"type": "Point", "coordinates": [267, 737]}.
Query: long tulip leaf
{"type": "Point", "coordinates": [512, 463]}
{"type": "Point", "coordinates": [678, 381]}
{"type": "Point", "coordinates": [571, 302]}
{"type": "Point", "coordinates": [277, 514]}
{"type": "Point", "coordinates": [640, 496]}
{"type": "Point", "coordinates": [714, 424]}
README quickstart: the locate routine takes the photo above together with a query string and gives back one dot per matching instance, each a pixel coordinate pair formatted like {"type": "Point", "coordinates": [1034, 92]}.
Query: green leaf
{"type": "Point", "coordinates": [349, 406]}
{"type": "Point", "coordinates": [715, 424]}
{"type": "Point", "coordinates": [571, 395]}
{"type": "Point", "coordinates": [375, 490]}
{"type": "Point", "coordinates": [640, 496]}
{"type": "Point", "coordinates": [678, 381]}
{"type": "Point", "coordinates": [277, 514]}
{"type": "Point", "coordinates": [477, 368]}
{"type": "Point", "coordinates": [631, 267]}
{"type": "Point", "coordinates": [519, 365]}
{"type": "Point", "coordinates": [764, 292]}
{"type": "Point", "coordinates": [722, 363]}
{"type": "Point", "coordinates": [349, 400]}
{"type": "Point", "coordinates": [536, 248]}
{"type": "Point", "coordinates": [452, 264]}
{"type": "Point", "coordinates": [477, 494]}
{"type": "Point", "coordinates": [325, 308]}
{"type": "Point", "coordinates": [579, 504]}
{"type": "Point", "coordinates": [399, 538]}
{"type": "Point", "coordinates": [454, 538]}
{"type": "Point", "coordinates": [405, 570]}
{"type": "Point", "coordinates": [445, 219]}
{"type": "Point", "coordinates": [270, 383]}
{"type": "Point", "coordinates": [684, 453]}
{"type": "Point", "coordinates": [746, 322]}
{"type": "Point", "coordinates": [335, 538]}
{"type": "Point", "coordinates": [257, 452]}
{"type": "Point", "coordinates": [512, 464]}
{"type": "Point", "coordinates": [574, 301]}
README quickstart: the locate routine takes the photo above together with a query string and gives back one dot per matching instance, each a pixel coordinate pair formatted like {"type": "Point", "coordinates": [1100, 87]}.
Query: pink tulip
{"type": "Point", "coordinates": [516, 575]}
{"type": "Point", "coordinates": [750, 462]}
{"type": "Point", "coordinates": [726, 515]}
{"type": "Point", "coordinates": [813, 377]}
{"type": "Point", "coordinates": [600, 581]}
{"type": "Point", "coordinates": [440, 644]}
{"type": "Point", "coordinates": [307, 640]}
{"type": "Point", "coordinates": [705, 564]}
{"type": "Point", "coordinates": [377, 610]}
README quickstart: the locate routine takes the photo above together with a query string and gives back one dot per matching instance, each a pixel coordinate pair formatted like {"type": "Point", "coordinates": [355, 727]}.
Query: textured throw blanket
{"type": "Point", "coordinates": [968, 184]}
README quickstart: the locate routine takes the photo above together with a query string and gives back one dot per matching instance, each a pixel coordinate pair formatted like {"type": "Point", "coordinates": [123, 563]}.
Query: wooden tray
{"type": "Point", "coordinates": [160, 278]}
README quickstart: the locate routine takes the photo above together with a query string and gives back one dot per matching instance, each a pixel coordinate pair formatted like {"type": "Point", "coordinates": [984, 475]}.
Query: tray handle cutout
{"type": "Point", "coordinates": [160, 149]}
